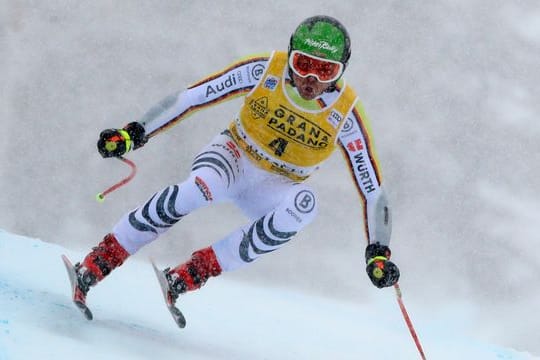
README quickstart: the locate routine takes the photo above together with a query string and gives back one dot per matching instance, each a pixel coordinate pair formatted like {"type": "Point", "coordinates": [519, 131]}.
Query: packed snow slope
{"type": "Point", "coordinates": [226, 319]}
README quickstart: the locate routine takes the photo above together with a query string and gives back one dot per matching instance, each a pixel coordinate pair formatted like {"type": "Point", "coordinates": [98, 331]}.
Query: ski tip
{"type": "Point", "coordinates": [66, 261]}
{"type": "Point", "coordinates": [154, 266]}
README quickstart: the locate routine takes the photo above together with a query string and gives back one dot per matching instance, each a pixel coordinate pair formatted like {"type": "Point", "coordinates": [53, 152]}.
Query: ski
{"type": "Point", "coordinates": [78, 298]}
{"type": "Point", "coordinates": [175, 312]}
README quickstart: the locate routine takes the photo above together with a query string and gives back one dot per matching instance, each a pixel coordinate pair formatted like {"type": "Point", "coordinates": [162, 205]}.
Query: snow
{"type": "Point", "coordinates": [227, 319]}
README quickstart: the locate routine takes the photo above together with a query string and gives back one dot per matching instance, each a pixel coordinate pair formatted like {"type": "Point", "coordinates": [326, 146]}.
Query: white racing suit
{"type": "Point", "coordinates": [260, 162]}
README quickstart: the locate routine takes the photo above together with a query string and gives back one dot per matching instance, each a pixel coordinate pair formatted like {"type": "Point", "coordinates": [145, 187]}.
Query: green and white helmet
{"type": "Point", "coordinates": [322, 36]}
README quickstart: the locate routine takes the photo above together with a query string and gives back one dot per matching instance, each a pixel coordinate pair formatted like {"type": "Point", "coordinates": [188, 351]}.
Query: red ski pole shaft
{"type": "Point", "coordinates": [101, 196]}
{"type": "Point", "coordinates": [409, 322]}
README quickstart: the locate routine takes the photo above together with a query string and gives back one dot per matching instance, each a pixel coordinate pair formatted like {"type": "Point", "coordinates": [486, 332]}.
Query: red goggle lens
{"type": "Point", "coordinates": [324, 70]}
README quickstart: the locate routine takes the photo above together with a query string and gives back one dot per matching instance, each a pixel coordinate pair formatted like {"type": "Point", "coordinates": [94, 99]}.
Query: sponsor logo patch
{"type": "Point", "coordinates": [335, 118]}
{"type": "Point", "coordinates": [216, 87]}
{"type": "Point", "coordinates": [232, 146]}
{"type": "Point", "coordinates": [203, 188]}
{"type": "Point", "coordinates": [257, 71]}
{"type": "Point", "coordinates": [355, 145]}
{"type": "Point", "coordinates": [363, 174]}
{"type": "Point", "coordinates": [304, 201]}
{"type": "Point", "coordinates": [348, 126]}
{"type": "Point", "coordinates": [294, 215]}
{"type": "Point", "coordinates": [298, 129]}
{"type": "Point", "coordinates": [271, 82]}
{"type": "Point", "coordinates": [321, 44]}
{"type": "Point", "coordinates": [259, 107]}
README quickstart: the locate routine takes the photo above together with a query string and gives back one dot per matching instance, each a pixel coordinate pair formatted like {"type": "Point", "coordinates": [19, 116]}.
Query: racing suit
{"type": "Point", "coordinates": [260, 161]}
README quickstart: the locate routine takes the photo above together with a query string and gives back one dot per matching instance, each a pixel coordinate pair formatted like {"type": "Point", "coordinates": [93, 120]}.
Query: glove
{"type": "Point", "coordinates": [381, 271]}
{"type": "Point", "coordinates": [117, 142]}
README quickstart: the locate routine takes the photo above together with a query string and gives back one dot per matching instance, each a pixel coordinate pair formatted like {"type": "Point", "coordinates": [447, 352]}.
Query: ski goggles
{"type": "Point", "coordinates": [305, 65]}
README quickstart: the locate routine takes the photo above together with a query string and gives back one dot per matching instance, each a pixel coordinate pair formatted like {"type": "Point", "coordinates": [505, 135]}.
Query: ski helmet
{"type": "Point", "coordinates": [322, 36]}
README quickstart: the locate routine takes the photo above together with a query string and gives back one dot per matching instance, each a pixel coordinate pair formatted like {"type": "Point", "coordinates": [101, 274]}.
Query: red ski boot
{"type": "Point", "coordinates": [187, 277]}
{"type": "Point", "coordinates": [104, 258]}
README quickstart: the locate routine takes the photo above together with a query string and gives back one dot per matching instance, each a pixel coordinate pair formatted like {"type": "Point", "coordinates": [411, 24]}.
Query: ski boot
{"type": "Point", "coordinates": [189, 276]}
{"type": "Point", "coordinates": [99, 263]}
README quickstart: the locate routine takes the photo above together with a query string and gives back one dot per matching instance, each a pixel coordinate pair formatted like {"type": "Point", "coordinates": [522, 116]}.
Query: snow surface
{"type": "Point", "coordinates": [226, 319]}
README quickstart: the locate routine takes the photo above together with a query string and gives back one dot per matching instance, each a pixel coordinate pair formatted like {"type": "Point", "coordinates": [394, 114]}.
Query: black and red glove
{"type": "Point", "coordinates": [381, 271]}
{"type": "Point", "coordinates": [117, 142]}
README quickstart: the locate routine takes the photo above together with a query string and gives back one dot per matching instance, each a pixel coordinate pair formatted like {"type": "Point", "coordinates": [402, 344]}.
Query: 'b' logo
{"type": "Point", "coordinates": [304, 201]}
{"type": "Point", "coordinates": [257, 71]}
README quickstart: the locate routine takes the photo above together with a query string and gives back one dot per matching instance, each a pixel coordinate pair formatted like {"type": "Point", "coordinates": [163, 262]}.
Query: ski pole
{"type": "Point", "coordinates": [409, 322]}
{"type": "Point", "coordinates": [101, 196]}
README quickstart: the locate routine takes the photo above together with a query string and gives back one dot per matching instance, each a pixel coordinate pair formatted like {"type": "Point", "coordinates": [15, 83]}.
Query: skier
{"type": "Point", "coordinates": [297, 110]}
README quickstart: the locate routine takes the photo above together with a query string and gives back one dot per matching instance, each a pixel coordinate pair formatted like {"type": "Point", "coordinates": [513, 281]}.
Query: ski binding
{"type": "Point", "coordinates": [177, 315]}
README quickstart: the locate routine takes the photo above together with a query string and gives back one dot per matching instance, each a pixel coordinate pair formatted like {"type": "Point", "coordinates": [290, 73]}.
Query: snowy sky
{"type": "Point", "coordinates": [450, 88]}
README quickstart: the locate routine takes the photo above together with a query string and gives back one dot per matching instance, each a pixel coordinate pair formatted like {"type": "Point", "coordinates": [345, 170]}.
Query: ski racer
{"type": "Point", "coordinates": [297, 110]}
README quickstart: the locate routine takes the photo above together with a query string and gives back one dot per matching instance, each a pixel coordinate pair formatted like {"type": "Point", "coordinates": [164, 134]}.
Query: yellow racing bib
{"type": "Point", "coordinates": [281, 136]}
